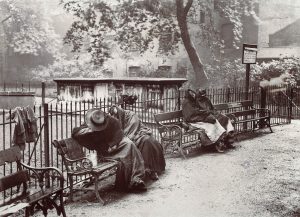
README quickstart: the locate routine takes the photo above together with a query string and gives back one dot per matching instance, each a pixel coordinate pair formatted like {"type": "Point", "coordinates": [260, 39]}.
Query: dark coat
{"type": "Point", "coordinates": [191, 110]}
{"type": "Point", "coordinates": [100, 141]}
{"type": "Point", "coordinates": [131, 168]}
{"type": "Point", "coordinates": [141, 135]}
{"type": "Point", "coordinates": [205, 104]}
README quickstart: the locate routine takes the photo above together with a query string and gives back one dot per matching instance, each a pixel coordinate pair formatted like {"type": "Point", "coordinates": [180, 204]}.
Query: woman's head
{"type": "Point", "coordinates": [190, 94]}
{"type": "Point", "coordinates": [118, 113]}
{"type": "Point", "coordinates": [113, 111]}
{"type": "Point", "coordinates": [201, 92]}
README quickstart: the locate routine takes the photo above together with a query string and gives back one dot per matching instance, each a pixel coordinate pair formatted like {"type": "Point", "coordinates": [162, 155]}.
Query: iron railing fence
{"type": "Point", "coordinates": [56, 121]}
{"type": "Point", "coordinates": [295, 102]}
{"type": "Point", "coordinates": [29, 86]}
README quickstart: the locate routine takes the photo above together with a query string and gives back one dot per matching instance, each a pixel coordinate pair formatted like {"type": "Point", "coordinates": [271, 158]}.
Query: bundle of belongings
{"type": "Point", "coordinates": [26, 126]}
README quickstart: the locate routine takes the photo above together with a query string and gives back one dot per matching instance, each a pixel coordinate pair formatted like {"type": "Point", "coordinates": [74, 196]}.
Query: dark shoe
{"type": "Point", "coordinates": [219, 147]}
{"type": "Point", "coordinates": [230, 146]}
{"type": "Point", "coordinates": [138, 186]}
{"type": "Point", "coordinates": [153, 176]}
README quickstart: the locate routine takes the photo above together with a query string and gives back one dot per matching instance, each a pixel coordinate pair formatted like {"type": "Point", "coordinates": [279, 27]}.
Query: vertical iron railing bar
{"type": "Point", "coordinates": [66, 123]}
{"type": "Point", "coordinates": [84, 109]}
{"type": "Point", "coordinates": [75, 114]}
{"type": "Point", "coordinates": [41, 140]}
{"type": "Point", "coordinates": [51, 132]}
{"type": "Point", "coordinates": [80, 106]}
{"type": "Point", "coordinates": [61, 121]}
{"type": "Point", "coordinates": [71, 117]}
{"type": "Point", "coordinates": [55, 129]}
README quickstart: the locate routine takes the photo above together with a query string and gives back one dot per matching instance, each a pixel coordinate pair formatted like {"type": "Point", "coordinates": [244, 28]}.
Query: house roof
{"type": "Point", "coordinates": [278, 52]}
{"type": "Point", "coordinates": [125, 80]}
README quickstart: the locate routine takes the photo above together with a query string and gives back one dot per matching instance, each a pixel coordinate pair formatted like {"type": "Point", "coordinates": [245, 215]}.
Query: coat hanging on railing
{"type": "Point", "coordinates": [26, 126]}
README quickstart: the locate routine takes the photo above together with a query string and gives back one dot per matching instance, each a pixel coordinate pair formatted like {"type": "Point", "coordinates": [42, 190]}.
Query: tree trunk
{"type": "Point", "coordinates": [201, 79]}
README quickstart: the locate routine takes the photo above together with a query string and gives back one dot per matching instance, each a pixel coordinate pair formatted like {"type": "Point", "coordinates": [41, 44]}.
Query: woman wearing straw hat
{"type": "Point", "coordinates": [103, 133]}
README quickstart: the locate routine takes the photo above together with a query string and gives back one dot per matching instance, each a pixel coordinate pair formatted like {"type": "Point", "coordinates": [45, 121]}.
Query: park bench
{"type": "Point", "coordinates": [29, 188]}
{"type": "Point", "coordinates": [176, 134]}
{"type": "Point", "coordinates": [245, 116]}
{"type": "Point", "coordinates": [78, 165]}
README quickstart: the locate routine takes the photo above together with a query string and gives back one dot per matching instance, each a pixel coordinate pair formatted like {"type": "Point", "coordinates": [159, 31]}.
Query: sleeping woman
{"type": "Point", "coordinates": [150, 148]}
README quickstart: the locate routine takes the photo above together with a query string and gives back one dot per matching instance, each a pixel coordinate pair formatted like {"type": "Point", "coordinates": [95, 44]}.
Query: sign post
{"type": "Point", "coordinates": [248, 58]}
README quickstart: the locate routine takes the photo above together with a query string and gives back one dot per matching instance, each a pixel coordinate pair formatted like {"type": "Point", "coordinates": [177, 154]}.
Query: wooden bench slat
{"type": "Point", "coordinates": [13, 179]}
{"type": "Point", "coordinates": [10, 155]}
{"type": "Point", "coordinates": [243, 113]}
{"type": "Point", "coordinates": [252, 119]}
{"type": "Point", "coordinates": [230, 105]}
{"type": "Point", "coordinates": [38, 195]}
{"type": "Point", "coordinates": [168, 116]}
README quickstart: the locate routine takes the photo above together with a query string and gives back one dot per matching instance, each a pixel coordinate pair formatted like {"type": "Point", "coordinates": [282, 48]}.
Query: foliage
{"type": "Point", "coordinates": [226, 73]}
{"type": "Point", "coordinates": [132, 24]}
{"type": "Point", "coordinates": [63, 68]}
{"type": "Point", "coordinates": [28, 28]}
{"type": "Point", "coordinates": [135, 25]}
{"type": "Point", "coordinates": [284, 70]}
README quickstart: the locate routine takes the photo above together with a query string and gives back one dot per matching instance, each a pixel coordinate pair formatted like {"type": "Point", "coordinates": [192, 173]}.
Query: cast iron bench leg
{"type": "Point", "coordinates": [71, 188]}
{"type": "Point", "coordinates": [97, 190]}
{"type": "Point", "coordinates": [62, 207]}
{"type": "Point", "coordinates": [269, 124]}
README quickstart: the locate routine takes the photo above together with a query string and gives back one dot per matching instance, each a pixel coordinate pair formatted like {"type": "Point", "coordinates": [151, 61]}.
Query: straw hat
{"type": "Point", "coordinates": [96, 119]}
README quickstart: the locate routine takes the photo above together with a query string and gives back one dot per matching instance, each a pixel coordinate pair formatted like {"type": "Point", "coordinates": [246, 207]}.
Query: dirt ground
{"type": "Point", "coordinates": [261, 177]}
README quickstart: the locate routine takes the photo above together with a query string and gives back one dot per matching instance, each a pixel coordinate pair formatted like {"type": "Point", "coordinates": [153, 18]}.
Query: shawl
{"type": "Point", "coordinates": [131, 125]}
{"type": "Point", "coordinates": [191, 110]}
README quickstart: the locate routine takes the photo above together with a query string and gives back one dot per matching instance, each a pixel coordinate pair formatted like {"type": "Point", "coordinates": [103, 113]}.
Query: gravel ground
{"type": "Point", "coordinates": [261, 177]}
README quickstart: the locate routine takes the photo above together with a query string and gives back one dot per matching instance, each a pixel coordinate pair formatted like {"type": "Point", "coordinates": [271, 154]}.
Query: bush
{"type": "Point", "coordinates": [276, 72]}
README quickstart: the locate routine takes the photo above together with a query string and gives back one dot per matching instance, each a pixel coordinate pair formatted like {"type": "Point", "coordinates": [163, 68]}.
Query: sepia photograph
{"type": "Point", "coordinates": [150, 108]}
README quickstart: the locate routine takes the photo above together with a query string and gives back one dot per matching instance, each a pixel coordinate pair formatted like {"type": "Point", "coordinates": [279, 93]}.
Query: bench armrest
{"type": "Point", "coordinates": [107, 159]}
{"type": "Point", "coordinates": [232, 117]}
{"type": "Point", "coordinates": [79, 164]}
{"type": "Point", "coordinates": [42, 173]}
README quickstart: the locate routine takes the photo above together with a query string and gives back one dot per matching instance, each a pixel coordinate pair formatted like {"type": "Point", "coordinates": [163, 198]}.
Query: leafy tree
{"type": "Point", "coordinates": [28, 27]}
{"type": "Point", "coordinates": [136, 24]}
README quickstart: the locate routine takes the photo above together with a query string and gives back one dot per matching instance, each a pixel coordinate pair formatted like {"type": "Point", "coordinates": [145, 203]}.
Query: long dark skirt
{"type": "Point", "coordinates": [131, 167]}
{"type": "Point", "coordinates": [152, 153]}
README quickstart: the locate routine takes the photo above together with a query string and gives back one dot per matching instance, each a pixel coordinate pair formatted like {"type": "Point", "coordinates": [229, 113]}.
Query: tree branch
{"type": "Point", "coordinates": [2, 21]}
{"type": "Point", "coordinates": [187, 7]}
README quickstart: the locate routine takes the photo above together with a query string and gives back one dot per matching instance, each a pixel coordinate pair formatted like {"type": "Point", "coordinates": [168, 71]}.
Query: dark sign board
{"type": "Point", "coordinates": [249, 53]}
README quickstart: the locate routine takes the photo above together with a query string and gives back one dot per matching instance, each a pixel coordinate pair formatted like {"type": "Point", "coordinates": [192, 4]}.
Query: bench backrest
{"type": "Point", "coordinates": [69, 148]}
{"type": "Point", "coordinates": [169, 117]}
{"type": "Point", "coordinates": [233, 105]}
{"type": "Point", "coordinates": [13, 155]}
{"type": "Point", "coordinates": [177, 116]}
